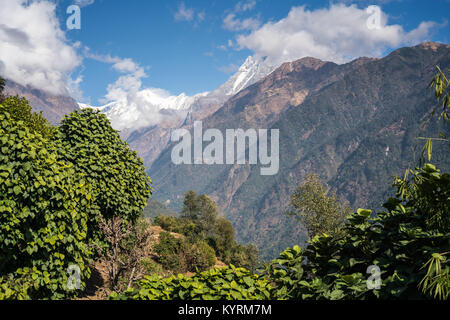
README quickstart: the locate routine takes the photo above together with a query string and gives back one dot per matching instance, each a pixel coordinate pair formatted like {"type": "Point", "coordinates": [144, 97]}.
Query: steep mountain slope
{"type": "Point", "coordinates": [173, 112]}
{"type": "Point", "coordinates": [356, 128]}
{"type": "Point", "coordinates": [53, 107]}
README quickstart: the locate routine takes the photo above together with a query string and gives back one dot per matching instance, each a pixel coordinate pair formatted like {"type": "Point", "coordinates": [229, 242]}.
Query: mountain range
{"type": "Point", "coordinates": [355, 125]}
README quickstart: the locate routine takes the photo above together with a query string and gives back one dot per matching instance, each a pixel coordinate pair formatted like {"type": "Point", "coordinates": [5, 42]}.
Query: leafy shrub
{"type": "Point", "coordinates": [14, 289]}
{"type": "Point", "coordinates": [176, 225]}
{"type": "Point", "coordinates": [198, 255]}
{"type": "Point", "coordinates": [199, 222]}
{"type": "Point", "coordinates": [151, 267]}
{"type": "Point", "coordinates": [120, 185]}
{"type": "Point", "coordinates": [181, 255]}
{"type": "Point", "coordinates": [216, 284]}
{"type": "Point", "coordinates": [43, 205]}
{"type": "Point", "coordinates": [169, 250]}
{"type": "Point", "coordinates": [399, 241]}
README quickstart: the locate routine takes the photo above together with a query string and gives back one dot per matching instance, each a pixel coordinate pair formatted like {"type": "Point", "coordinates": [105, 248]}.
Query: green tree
{"type": "Point", "coordinates": [20, 110]}
{"type": "Point", "coordinates": [318, 211]}
{"type": "Point", "coordinates": [44, 206]}
{"type": "Point", "coordinates": [200, 222]}
{"type": "Point", "coordinates": [169, 251]}
{"type": "Point", "coordinates": [223, 242]}
{"type": "Point", "coordinates": [190, 206]}
{"type": "Point", "coordinates": [120, 184]}
{"type": "Point", "coordinates": [181, 255]}
{"type": "Point", "coordinates": [203, 211]}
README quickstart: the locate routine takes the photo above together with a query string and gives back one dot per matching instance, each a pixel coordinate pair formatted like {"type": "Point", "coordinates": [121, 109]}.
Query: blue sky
{"type": "Point", "coordinates": [193, 46]}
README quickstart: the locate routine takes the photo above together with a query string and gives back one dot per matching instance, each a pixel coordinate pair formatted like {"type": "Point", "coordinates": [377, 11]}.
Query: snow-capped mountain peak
{"type": "Point", "coordinates": [143, 108]}
{"type": "Point", "coordinates": [251, 71]}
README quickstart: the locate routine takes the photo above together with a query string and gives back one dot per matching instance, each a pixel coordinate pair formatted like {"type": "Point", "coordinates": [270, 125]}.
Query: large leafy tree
{"type": "Point", "coordinates": [43, 216]}
{"type": "Point", "coordinates": [120, 185]}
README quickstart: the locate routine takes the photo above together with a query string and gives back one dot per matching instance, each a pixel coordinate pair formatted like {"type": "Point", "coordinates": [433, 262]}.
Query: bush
{"type": "Point", "coordinates": [174, 224]}
{"type": "Point", "coordinates": [198, 256]}
{"type": "Point", "coordinates": [216, 284]}
{"type": "Point", "coordinates": [120, 185]}
{"type": "Point", "coordinates": [169, 250]}
{"type": "Point", "coordinates": [180, 255]}
{"type": "Point", "coordinates": [151, 267]}
{"type": "Point", "coordinates": [43, 206]}
{"type": "Point", "coordinates": [398, 243]}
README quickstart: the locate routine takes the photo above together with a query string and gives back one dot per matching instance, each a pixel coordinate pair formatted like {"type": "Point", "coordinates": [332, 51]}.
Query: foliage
{"type": "Point", "coordinates": [440, 85]}
{"type": "Point", "coordinates": [319, 212]}
{"type": "Point", "coordinates": [14, 289]}
{"type": "Point", "coordinates": [199, 256]}
{"type": "Point", "coordinates": [120, 185]}
{"type": "Point", "coordinates": [177, 225]}
{"type": "Point", "coordinates": [43, 206]}
{"type": "Point", "coordinates": [216, 284]}
{"type": "Point", "coordinates": [436, 282]}
{"type": "Point", "coordinates": [20, 110]}
{"type": "Point", "coordinates": [398, 241]}
{"type": "Point", "coordinates": [151, 267]}
{"type": "Point", "coordinates": [181, 255]}
{"type": "Point", "coordinates": [156, 208]}
{"type": "Point", "coordinates": [169, 250]}
{"type": "Point", "coordinates": [200, 221]}
{"type": "Point", "coordinates": [246, 256]}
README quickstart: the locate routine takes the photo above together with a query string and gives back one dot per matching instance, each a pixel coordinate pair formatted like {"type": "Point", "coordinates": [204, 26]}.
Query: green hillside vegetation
{"type": "Point", "coordinates": [205, 231]}
{"type": "Point", "coordinates": [77, 196]}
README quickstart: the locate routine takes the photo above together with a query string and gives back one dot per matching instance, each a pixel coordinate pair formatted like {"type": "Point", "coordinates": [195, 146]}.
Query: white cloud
{"type": "Point", "coordinates": [127, 85]}
{"type": "Point", "coordinates": [128, 104]}
{"type": "Point", "coordinates": [189, 14]}
{"type": "Point", "coordinates": [231, 68]}
{"type": "Point", "coordinates": [201, 16]}
{"type": "Point", "coordinates": [244, 5]}
{"type": "Point", "coordinates": [232, 23]}
{"type": "Point", "coordinates": [183, 13]}
{"type": "Point", "coordinates": [84, 3]}
{"type": "Point", "coordinates": [235, 24]}
{"type": "Point", "coordinates": [34, 50]}
{"type": "Point", "coordinates": [338, 33]}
